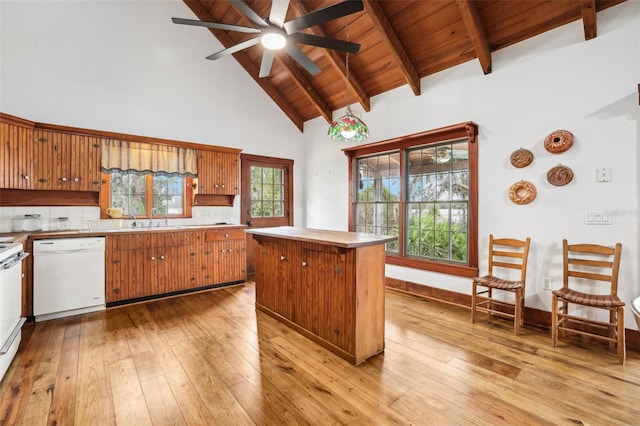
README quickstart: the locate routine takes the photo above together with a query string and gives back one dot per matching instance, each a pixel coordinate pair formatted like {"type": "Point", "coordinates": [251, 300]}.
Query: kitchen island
{"type": "Point", "coordinates": [326, 285]}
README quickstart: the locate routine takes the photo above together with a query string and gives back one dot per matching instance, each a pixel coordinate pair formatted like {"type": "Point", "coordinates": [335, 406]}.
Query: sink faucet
{"type": "Point", "coordinates": [153, 211]}
{"type": "Point", "coordinates": [134, 224]}
{"type": "Point", "coordinates": [166, 221]}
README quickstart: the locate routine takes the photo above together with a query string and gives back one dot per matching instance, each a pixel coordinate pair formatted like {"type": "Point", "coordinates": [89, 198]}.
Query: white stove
{"type": "Point", "coordinates": [11, 321]}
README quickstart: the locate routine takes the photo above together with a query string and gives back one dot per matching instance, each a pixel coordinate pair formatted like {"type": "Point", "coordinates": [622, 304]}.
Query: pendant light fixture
{"type": "Point", "coordinates": [349, 127]}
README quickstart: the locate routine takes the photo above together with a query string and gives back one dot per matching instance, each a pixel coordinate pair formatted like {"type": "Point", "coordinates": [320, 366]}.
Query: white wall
{"type": "Point", "coordinates": [554, 81]}
{"type": "Point", "coordinates": [123, 66]}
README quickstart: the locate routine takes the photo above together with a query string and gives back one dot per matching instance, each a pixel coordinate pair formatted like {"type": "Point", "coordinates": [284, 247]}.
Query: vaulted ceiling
{"type": "Point", "coordinates": [401, 42]}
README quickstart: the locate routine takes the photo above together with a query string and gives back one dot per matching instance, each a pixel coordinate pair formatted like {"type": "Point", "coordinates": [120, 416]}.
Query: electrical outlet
{"type": "Point", "coordinates": [548, 282]}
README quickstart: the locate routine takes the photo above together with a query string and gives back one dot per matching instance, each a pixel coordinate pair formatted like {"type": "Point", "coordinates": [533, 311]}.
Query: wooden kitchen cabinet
{"type": "Point", "coordinates": [327, 285]}
{"type": "Point", "coordinates": [65, 162]}
{"type": "Point", "coordinates": [218, 172]}
{"type": "Point", "coordinates": [16, 162]}
{"type": "Point", "coordinates": [144, 264]}
{"type": "Point", "coordinates": [147, 264]}
{"type": "Point", "coordinates": [220, 256]}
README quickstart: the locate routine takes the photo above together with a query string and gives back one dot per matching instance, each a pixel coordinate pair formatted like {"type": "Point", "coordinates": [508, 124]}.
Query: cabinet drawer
{"type": "Point", "coordinates": [224, 234]}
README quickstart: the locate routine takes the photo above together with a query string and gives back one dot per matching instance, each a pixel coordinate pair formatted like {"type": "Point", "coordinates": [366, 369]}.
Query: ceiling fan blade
{"type": "Point", "coordinates": [249, 13]}
{"type": "Point", "coordinates": [234, 49]}
{"type": "Point", "coordinates": [215, 25]}
{"type": "Point", "coordinates": [267, 61]}
{"type": "Point", "coordinates": [278, 12]}
{"type": "Point", "coordinates": [330, 13]}
{"type": "Point", "coordinates": [301, 58]}
{"type": "Point", "coordinates": [326, 42]}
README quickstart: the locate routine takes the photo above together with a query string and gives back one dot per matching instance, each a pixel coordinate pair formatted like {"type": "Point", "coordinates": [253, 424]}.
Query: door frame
{"type": "Point", "coordinates": [246, 161]}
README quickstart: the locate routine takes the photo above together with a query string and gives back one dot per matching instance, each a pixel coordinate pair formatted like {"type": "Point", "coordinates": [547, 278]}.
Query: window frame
{"type": "Point", "coordinates": [105, 198]}
{"type": "Point", "coordinates": [468, 130]}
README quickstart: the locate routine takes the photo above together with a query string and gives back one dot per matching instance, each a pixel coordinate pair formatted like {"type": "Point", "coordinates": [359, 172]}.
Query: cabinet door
{"type": "Point", "coordinates": [218, 173]}
{"type": "Point", "coordinates": [229, 260]}
{"type": "Point", "coordinates": [85, 163]}
{"type": "Point", "coordinates": [328, 298]}
{"type": "Point", "coordinates": [51, 161]}
{"type": "Point", "coordinates": [16, 167]}
{"type": "Point", "coordinates": [124, 271]}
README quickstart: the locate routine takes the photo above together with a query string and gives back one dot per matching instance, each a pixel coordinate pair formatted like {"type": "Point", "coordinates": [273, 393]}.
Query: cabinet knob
{"type": "Point", "coordinates": [222, 185]}
{"type": "Point", "coordinates": [226, 235]}
{"type": "Point", "coordinates": [222, 251]}
{"type": "Point", "coordinates": [230, 250]}
{"type": "Point", "coordinates": [161, 257]}
{"type": "Point", "coordinates": [26, 177]}
{"type": "Point", "coordinates": [304, 263]}
{"type": "Point", "coordinates": [152, 258]}
{"type": "Point", "coordinates": [76, 179]}
{"type": "Point", "coordinates": [282, 258]}
{"type": "Point", "coordinates": [64, 179]}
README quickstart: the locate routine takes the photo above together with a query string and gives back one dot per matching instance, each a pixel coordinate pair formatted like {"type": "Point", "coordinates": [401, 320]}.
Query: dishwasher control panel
{"type": "Point", "coordinates": [68, 244]}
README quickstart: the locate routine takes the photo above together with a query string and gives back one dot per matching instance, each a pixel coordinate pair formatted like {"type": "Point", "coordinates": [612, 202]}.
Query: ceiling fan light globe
{"type": "Point", "coordinates": [273, 41]}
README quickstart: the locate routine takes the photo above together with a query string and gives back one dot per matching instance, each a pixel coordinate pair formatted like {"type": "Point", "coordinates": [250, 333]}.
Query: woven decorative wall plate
{"type": "Point", "coordinates": [522, 192]}
{"type": "Point", "coordinates": [521, 158]}
{"type": "Point", "coordinates": [558, 141]}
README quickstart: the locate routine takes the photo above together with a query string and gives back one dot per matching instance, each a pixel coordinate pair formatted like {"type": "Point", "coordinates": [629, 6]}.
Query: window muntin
{"type": "Point", "coordinates": [267, 192]}
{"type": "Point", "coordinates": [148, 194]}
{"type": "Point", "coordinates": [377, 208]}
{"type": "Point", "coordinates": [438, 201]}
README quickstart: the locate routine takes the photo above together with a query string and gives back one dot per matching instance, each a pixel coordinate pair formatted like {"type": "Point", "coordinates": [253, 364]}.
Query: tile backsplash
{"type": "Point", "coordinates": [80, 217]}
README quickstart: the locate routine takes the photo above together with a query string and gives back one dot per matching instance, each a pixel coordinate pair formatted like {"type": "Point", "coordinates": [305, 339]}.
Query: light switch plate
{"type": "Point", "coordinates": [603, 174]}
{"type": "Point", "coordinates": [601, 217]}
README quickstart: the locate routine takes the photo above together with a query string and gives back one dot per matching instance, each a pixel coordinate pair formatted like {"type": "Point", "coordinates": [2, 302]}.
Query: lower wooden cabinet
{"type": "Point", "coordinates": [146, 264]}
{"type": "Point", "coordinates": [331, 294]}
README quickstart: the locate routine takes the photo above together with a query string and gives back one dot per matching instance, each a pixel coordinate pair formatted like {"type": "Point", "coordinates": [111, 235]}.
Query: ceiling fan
{"type": "Point", "coordinates": [275, 33]}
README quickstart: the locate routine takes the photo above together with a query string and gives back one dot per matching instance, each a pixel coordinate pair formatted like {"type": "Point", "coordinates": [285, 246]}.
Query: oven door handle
{"type": "Point", "coordinates": [16, 260]}
{"type": "Point", "coordinates": [7, 344]}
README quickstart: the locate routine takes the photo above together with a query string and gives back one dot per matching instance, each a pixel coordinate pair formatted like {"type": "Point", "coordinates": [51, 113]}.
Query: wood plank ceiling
{"type": "Point", "coordinates": [401, 42]}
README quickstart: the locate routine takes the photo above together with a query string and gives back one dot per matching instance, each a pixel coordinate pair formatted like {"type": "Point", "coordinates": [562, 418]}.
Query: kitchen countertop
{"type": "Point", "coordinates": [77, 233]}
{"type": "Point", "coordinates": [322, 236]}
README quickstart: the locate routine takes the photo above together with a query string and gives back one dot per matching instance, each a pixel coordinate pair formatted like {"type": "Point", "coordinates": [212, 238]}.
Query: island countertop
{"type": "Point", "coordinates": [323, 236]}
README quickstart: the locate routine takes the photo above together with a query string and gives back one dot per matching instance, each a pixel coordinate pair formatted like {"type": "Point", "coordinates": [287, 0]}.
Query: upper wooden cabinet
{"type": "Point", "coordinates": [65, 162]}
{"type": "Point", "coordinates": [218, 172]}
{"type": "Point", "coordinates": [16, 161]}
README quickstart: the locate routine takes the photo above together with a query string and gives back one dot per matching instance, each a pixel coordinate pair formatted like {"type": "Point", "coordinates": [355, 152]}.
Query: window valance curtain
{"type": "Point", "coordinates": [148, 158]}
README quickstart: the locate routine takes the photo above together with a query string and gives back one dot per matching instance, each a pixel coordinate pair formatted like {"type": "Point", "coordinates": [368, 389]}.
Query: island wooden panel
{"type": "Point", "coordinates": [327, 285]}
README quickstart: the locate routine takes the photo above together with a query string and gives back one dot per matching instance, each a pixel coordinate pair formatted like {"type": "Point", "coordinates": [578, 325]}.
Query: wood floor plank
{"type": "Point", "coordinates": [211, 358]}
{"type": "Point", "coordinates": [63, 403]}
{"type": "Point", "coordinates": [127, 394]}
{"type": "Point", "coordinates": [94, 401]}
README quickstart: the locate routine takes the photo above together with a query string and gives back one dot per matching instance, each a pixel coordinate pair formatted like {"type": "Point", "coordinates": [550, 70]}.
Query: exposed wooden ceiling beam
{"type": "Point", "coordinates": [334, 58]}
{"type": "Point", "coordinates": [388, 34]}
{"type": "Point", "coordinates": [204, 15]}
{"type": "Point", "coordinates": [476, 32]}
{"type": "Point", "coordinates": [304, 85]}
{"type": "Point", "coordinates": [588, 9]}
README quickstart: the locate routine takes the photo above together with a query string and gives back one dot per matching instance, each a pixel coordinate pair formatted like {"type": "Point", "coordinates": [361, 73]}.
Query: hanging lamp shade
{"type": "Point", "coordinates": [348, 128]}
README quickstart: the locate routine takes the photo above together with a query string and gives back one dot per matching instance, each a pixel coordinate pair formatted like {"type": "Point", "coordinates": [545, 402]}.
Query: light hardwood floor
{"type": "Point", "coordinates": [210, 358]}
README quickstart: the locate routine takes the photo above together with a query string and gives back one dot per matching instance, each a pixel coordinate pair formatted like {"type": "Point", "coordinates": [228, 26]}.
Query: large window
{"type": "Point", "coordinates": [422, 189]}
{"type": "Point", "coordinates": [149, 195]}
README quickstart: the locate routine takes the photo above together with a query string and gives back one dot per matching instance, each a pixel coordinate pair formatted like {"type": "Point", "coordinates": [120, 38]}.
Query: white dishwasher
{"type": "Point", "coordinates": [68, 277]}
